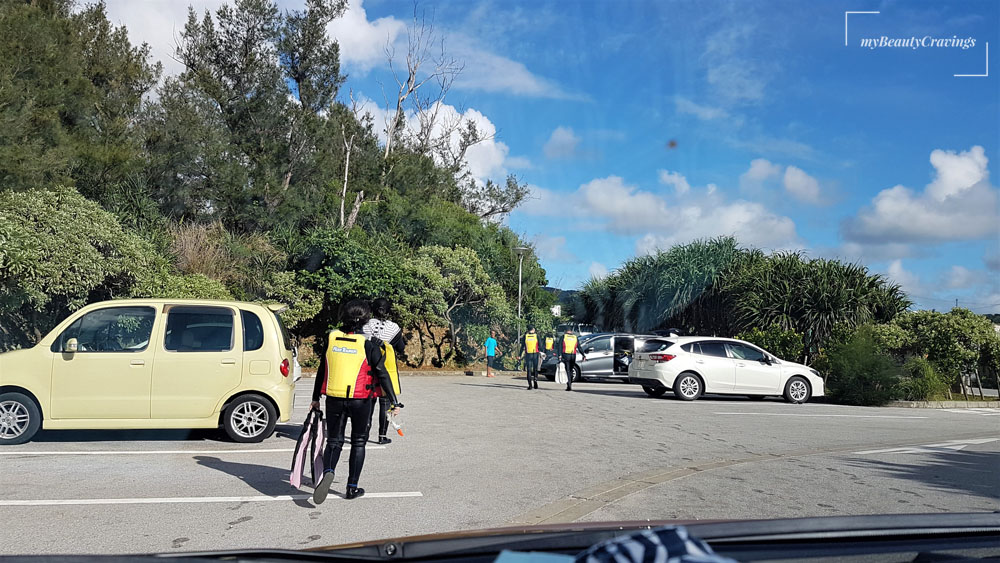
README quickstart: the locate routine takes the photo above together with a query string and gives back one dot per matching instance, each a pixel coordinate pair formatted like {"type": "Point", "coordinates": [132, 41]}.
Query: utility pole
{"type": "Point", "coordinates": [520, 262]}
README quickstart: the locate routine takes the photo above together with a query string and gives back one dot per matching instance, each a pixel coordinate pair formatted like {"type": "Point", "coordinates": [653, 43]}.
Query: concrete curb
{"type": "Point", "coordinates": [946, 404]}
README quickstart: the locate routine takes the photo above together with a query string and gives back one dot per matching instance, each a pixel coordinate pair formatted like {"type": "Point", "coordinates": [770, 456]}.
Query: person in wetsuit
{"type": "Point", "coordinates": [351, 374]}
{"type": "Point", "coordinates": [389, 332]}
{"type": "Point", "coordinates": [567, 349]}
{"type": "Point", "coordinates": [529, 351]}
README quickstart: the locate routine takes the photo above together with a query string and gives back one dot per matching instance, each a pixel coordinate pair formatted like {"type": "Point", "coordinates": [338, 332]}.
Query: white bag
{"type": "Point", "coordinates": [561, 373]}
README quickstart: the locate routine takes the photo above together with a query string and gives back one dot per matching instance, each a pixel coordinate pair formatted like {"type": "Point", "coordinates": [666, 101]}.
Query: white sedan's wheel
{"type": "Point", "coordinates": [688, 387]}
{"type": "Point", "coordinates": [797, 390]}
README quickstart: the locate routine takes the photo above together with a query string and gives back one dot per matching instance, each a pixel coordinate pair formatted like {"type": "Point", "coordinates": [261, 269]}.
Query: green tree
{"type": "Point", "coordinates": [70, 88]}
{"type": "Point", "coordinates": [470, 296]}
{"type": "Point", "coordinates": [957, 343]}
{"type": "Point", "coordinates": [860, 373]}
{"type": "Point", "coordinates": [786, 344]}
{"type": "Point", "coordinates": [58, 252]}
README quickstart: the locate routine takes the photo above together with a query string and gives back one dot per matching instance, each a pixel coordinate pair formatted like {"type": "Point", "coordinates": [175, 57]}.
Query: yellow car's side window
{"type": "Point", "coordinates": [115, 329]}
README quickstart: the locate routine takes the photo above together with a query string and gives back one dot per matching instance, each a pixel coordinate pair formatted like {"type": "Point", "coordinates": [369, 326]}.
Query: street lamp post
{"type": "Point", "coordinates": [521, 251]}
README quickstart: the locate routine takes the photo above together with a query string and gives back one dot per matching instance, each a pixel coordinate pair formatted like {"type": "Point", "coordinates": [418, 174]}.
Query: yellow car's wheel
{"type": "Point", "coordinates": [20, 418]}
{"type": "Point", "coordinates": [250, 418]}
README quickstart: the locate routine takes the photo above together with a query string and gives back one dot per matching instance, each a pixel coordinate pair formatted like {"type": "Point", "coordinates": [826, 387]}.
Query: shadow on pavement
{"type": "Point", "coordinates": [290, 431]}
{"type": "Point", "coordinates": [267, 480]}
{"type": "Point", "coordinates": [197, 435]}
{"type": "Point", "coordinates": [962, 471]}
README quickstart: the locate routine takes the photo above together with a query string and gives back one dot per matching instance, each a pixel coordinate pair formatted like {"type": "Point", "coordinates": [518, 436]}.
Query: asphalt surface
{"type": "Point", "coordinates": [484, 453]}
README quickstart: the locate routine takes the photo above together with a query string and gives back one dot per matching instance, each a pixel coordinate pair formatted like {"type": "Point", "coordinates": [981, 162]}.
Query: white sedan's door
{"type": "Point", "coordinates": [713, 363]}
{"type": "Point", "coordinates": [753, 374]}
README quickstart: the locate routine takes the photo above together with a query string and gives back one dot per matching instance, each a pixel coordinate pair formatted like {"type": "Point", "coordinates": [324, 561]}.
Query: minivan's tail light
{"type": "Point", "coordinates": [661, 357]}
{"type": "Point", "coordinates": [284, 368]}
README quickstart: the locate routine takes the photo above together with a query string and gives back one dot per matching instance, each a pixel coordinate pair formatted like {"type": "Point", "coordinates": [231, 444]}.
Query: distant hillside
{"type": "Point", "coordinates": [563, 296]}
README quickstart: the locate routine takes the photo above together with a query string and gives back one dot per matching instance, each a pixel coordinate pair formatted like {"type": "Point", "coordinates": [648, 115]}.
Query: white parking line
{"type": "Point", "coordinates": [188, 500]}
{"type": "Point", "coordinates": [953, 445]}
{"type": "Point", "coordinates": [168, 452]}
{"type": "Point", "coordinates": [815, 415]}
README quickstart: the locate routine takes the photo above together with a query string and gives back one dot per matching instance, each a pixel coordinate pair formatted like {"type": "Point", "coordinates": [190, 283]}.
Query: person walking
{"type": "Point", "coordinates": [567, 355]}
{"type": "Point", "coordinates": [491, 352]}
{"type": "Point", "coordinates": [529, 351]}
{"type": "Point", "coordinates": [382, 328]}
{"type": "Point", "coordinates": [550, 343]}
{"type": "Point", "coordinates": [351, 375]}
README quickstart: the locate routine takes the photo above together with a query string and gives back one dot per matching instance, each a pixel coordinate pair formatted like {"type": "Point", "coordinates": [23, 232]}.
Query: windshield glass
{"type": "Point", "coordinates": [743, 256]}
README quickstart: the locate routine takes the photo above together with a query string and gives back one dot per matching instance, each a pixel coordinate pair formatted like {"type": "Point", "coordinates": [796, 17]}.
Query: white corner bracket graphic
{"type": "Point", "coordinates": [845, 22]}
{"type": "Point", "coordinates": [987, 66]}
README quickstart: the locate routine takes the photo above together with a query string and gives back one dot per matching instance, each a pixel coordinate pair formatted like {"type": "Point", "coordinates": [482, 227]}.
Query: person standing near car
{"type": "Point", "coordinates": [491, 352]}
{"type": "Point", "coordinates": [567, 348]}
{"type": "Point", "coordinates": [382, 328]}
{"type": "Point", "coordinates": [351, 375]}
{"type": "Point", "coordinates": [529, 351]}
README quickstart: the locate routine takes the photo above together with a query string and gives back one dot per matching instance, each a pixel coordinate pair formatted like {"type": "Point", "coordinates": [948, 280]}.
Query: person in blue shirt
{"type": "Point", "coordinates": [491, 352]}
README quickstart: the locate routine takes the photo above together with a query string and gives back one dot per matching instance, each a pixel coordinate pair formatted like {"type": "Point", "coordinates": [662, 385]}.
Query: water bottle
{"type": "Point", "coordinates": [394, 424]}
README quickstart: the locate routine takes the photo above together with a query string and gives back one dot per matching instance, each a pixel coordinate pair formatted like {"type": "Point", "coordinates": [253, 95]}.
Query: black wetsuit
{"type": "Point", "coordinates": [569, 361]}
{"type": "Point", "coordinates": [358, 411]}
{"type": "Point", "coordinates": [530, 362]}
{"type": "Point", "coordinates": [389, 332]}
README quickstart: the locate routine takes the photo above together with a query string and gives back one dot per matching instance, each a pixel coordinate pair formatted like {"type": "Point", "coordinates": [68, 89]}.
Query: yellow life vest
{"type": "Point", "coordinates": [391, 367]}
{"type": "Point", "coordinates": [348, 373]}
{"type": "Point", "coordinates": [531, 343]}
{"type": "Point", "coordinates": [569, 343]}
{"type": "Point", "coordinates": [549, 343]}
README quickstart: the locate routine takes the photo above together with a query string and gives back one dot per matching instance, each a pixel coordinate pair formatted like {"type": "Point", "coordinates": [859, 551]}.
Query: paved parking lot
{"type": "Point", "coordinates": [485, 452]}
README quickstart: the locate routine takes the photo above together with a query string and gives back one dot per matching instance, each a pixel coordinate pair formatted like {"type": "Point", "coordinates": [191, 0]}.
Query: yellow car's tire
{"type": "Point", "coordinates": [20, 418]}
{"type": "Point", "coordinates": [249, 419]}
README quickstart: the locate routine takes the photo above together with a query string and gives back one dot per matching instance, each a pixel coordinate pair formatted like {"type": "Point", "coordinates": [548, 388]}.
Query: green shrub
{"type": "Point", "coordinates": [859, 373]}
{"type": "Point", "coordinates": [786, 344]}
{"type": "Point", "coordinates": [920, 381]}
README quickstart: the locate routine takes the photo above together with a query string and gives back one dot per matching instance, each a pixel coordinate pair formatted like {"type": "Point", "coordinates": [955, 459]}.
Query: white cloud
{"type": "Point", "coordinates": [959, 204]}
{"type": "Point", "coordinates": [801, 186]}
{"type": "Point", "coordinates": [759, 172]}
{"type": "Point", "coordinates": [363, 42]}
{"type": "Point", "coordinates": [735, 77]}
{"type": "Point", "coordinates": [870, 252]}
{"type": "Point", "coordinates": [489, 72]}
{"type": "Point", "coordinates": [705, 113]}
{"type": "Point", "coordinates": [158, 23]}
{"type": "Point", "coordinates": [485, 160]}
{"type": "Point", "coordinates": [553, 248]}
{"type": "Point", "coordinates": [992, 261]}
{"type": "Point", "coordinates": [598, 270]}
{"type": "Point", "coordinates": [960, 277]}
{"type": "Point", "coordinates": [562, 143]}
{"type": "Point", "coordinates": [909, 281]}
{"type": "Point", "coordinates": [518, 162]}
{"type": "Point", "coordinates": [612, 205]}
{"type": "Point", "coordinates": [677, 180]}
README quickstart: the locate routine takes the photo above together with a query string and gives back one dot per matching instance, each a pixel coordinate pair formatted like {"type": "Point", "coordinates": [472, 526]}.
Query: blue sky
{"type": "Point", "coordinates": [785, 137]}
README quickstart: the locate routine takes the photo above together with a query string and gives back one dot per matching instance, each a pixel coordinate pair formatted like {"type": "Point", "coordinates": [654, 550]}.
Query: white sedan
{"type": "Point", "coordinates": [693, 365]}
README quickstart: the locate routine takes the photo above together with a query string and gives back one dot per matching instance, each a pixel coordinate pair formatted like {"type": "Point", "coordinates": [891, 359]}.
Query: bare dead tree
{"type": "Point", "coordinates": [348, 148]}
{"type": "Point", "coordinates": [420, 37]}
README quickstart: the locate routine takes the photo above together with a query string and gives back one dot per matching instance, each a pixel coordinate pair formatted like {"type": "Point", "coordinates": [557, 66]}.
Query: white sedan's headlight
{"type": "Point", "coordinates": [816, 373]}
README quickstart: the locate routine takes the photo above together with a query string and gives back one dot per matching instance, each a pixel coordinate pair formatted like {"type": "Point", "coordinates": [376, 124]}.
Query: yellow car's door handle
{"type": "Point", "coordinates": [229, 362]}
{"type": "Point", "coordinates": [138, 362]}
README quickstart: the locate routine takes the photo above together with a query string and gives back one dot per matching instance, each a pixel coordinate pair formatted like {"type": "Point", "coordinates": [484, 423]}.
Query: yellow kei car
{"type": "Point", "coordinates": [152, 363]}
